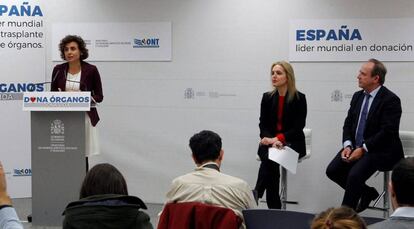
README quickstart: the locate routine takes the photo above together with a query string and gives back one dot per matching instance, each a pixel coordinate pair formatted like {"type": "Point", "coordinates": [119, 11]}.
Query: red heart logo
{"type": "Point", "coordinates": [32, 99]}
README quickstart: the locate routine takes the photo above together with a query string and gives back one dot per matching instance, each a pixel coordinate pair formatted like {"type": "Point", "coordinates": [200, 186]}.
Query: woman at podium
{"type": "Point", "coordinates": [282, 119]}
{"type": "Point", "coordinates": [77, 75]}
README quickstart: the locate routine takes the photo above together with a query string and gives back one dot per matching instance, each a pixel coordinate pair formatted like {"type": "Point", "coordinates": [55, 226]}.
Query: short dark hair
{"type": "Point", "coordinates": [379, 69]}
{"type": "Point", "coordinates": [402, 180]}
{"type": "Point", "coordinates": [78, 40]}
{"type": "Point", "coordinates": [103, 179]}
{"type": "Point", "coordinates": [205, 146]}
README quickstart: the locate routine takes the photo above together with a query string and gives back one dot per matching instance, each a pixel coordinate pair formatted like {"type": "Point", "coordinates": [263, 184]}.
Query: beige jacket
{"type": "Point", "coordinates": [210, 186]}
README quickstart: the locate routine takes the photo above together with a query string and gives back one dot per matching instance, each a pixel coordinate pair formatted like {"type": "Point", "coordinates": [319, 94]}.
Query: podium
{"type": "Point", "coordinates": [58, 151]}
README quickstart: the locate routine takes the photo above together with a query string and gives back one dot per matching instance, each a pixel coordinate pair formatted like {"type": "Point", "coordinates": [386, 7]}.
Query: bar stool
{"type": "Point", "coordinates": [283, 180]}
{"type": "Point", "coordinates": [407, 140]}
{"type": "Point", "coordinates": [384, 196]}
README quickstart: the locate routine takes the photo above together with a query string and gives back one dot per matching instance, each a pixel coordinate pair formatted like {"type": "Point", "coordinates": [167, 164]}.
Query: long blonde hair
{"type": "Point", "coordinates": [290, 75]}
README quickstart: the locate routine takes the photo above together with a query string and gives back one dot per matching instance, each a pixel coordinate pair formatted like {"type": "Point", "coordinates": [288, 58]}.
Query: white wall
{"type": "Point", "coordinates": [22, 63]}
{"type": "Point", "coordinates": [223, 46]}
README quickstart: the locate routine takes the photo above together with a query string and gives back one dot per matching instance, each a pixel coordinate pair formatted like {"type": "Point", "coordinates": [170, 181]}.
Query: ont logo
{"type": "Point", "coordinates": [147, 43]}
{"type": "Point", "coordinates": [22, 172]}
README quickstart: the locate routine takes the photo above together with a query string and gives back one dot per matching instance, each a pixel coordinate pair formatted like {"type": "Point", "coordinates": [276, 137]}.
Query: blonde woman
{"type": "Point", "coordinates": [282, 119]}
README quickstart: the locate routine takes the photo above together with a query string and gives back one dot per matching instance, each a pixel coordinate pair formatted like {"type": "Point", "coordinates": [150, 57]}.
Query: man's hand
{"type": "Point", "coordinates": [346, 153]}
{"type": "Point", "coordinates": [356, 154]}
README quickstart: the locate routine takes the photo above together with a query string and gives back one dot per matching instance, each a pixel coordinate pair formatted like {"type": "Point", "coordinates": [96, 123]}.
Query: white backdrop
{"type": "Point", "coordinates": [351, 39]}
{"type": "Point", "coordinates": [22, 64]}
{"type": "Point", "coordinates": [119, 41]}
{"type": "Point", "coordinates": [222, 51]}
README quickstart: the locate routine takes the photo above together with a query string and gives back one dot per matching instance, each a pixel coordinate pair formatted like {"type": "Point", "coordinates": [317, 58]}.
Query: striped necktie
{"type": "Point", "coordinates": [359, 138]}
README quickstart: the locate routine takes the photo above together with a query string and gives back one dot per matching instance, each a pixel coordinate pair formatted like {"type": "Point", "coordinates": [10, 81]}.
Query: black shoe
{"type": "Point", "coordinates": [366, 198]}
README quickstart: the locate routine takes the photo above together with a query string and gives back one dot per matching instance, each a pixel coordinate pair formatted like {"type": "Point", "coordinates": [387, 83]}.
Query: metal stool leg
{"type": "Point", "coordinates": [386, 202]}
{"type": "Point", "coordinates": [385, 197]}
{"type": "Point", "coordinates": [283, 188]}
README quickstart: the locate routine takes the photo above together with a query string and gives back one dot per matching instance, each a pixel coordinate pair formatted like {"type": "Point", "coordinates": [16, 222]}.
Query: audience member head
{"type": "Point", "coordinates": [4, 196]}
{"type": "Point", "coordinates": [402, 183]}
{"type": "Point", "coordinates": [338, 218]}
{"type": "Point", "coordinates": [103, 179]}
{"type": "Point", "coordinates": [206, 147]}
{"type": "Point", "coordinates": [78, 40]}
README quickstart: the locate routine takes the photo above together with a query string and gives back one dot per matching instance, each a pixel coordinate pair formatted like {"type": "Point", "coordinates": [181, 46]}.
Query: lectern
{"type": "Point", "coordinates": [58, 151]}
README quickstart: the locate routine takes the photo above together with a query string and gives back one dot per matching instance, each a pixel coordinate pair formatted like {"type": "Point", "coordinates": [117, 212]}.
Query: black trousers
{"type": "Point", "coordinates": [87, 164]}
{"type": "Point", "coordinates": [268, 180]}
{"type": "Point", "coordinates": [352, 177]}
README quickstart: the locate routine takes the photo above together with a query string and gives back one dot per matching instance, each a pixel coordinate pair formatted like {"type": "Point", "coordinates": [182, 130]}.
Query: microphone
{"type": "Point", "coordinates": [55, 76]}
{"type": "Point", "coordinates": [49, 82]}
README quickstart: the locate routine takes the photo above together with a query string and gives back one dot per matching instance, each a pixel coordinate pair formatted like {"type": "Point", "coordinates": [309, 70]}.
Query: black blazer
{"type": "Point", "coordinates": [293, 120]}
{"type": "Point", "coordinates": [90, 81]}
{"type": "Point", "coordinates": [381, 134]}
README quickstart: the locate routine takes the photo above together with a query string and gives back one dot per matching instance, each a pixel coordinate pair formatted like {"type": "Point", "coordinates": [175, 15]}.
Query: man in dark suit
{"type": "Point", "coordinates": [370, 137]}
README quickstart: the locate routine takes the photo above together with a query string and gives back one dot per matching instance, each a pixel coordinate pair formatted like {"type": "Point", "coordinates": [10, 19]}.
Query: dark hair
{"type": "Point", "coordinates": [338, 218]}
{"type": "Point", "coordinates": [81, 45]}
{"type": "Point", "coordinates": [103, 179]}
{"type": "Point", "coordinates": [205, 146]}
{"type": "Point", "coordinates": [402, 180]}
{"type": "Point", "coordinates": [379, 69]}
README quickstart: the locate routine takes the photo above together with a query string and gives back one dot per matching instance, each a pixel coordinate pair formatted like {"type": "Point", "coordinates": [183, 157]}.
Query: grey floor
{"type": "Point", "coordinates": [23, 208]}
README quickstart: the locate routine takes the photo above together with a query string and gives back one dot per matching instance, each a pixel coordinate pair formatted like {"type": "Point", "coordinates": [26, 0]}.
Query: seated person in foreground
{"type": "Point", "coordinates": [105, 203]}
{"type": "Point", "coordinates": [338, 218]}
{"type": "Point", "coordinates": [8, 216]}
{"type": "Point", "coordinates": [401, 190]}
{"type": "Point", "coordinates": [206, 184]}
{"type": "Point", "coordinates": [196, 215]}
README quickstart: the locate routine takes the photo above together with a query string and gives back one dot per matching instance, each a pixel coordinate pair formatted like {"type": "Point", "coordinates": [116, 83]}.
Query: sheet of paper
{"type": "Point", "coordinates": [286, 157]}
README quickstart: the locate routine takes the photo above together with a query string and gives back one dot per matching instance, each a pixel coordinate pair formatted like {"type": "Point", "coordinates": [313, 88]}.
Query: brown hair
{"type": "Point", "coordinates": [338, 218]}
{"type": "Point", "coordinates": [78, 40]}
{"type": "Point", "coordinates": [103, 179]}
{"type": "Point", "coordinates": [378, 69]}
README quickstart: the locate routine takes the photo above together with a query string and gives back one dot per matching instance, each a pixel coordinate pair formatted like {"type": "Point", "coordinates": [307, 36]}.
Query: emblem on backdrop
{"type": "Point", "coordinates": [336, 96]}
{"type": "Point", "coordinates": [57, 127]}
{"type": "Point", "coordinates": [188, 93]}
